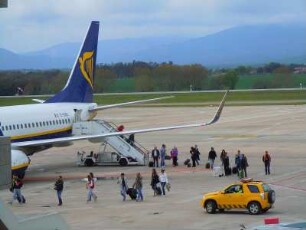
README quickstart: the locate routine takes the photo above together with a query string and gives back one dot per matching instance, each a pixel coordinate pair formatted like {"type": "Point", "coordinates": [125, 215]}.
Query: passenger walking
{"type": "Point", "coordinates": [163, 180]}
{"type": "Point", "coordinates": [222, 156]}
{"type": "Point", "coordinates": [90, 185]}
{"type": "Point", "coordinates": [193, 156]}
{"type": "Point", "coordinates": [155, 155]}
{"type": "Point", "coordinates": [59, 187]}
{"type": "Point", "coordinates": [226, 164]}
{"type": "Point", "coordinates": [16, 189]}
{"type": "Point", "coordinates": [123, 183]}
{"type": "Point", "coordinates": [266, 158]}
{"type": "Point", "coordinates": [174, 155]}
{"type": "Point", "coordinates": [238, 163]}
{"type": "Point", "coordinates": [138, 186]}
{"type": "Point", "coordinates": [154, 181]}
{"type": "Point", "coordinates": [211, 157]}
{"type": "Point", "coordinates": [197, 152]}
{"type": "Point", "coordinates": [94, 180]}
{"type": "Point", "coordinates": [244, 164]}
{"type": "Point", "coordinates": [162, 155]}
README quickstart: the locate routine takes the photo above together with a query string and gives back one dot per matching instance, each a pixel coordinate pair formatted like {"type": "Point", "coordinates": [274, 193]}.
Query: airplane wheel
{"type": "Point", "coordinates": [89, 163]}
{"type": "Point", "coordinates": [123, 162]}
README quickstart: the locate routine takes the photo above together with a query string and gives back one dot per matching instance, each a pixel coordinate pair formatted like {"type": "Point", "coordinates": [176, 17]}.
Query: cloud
{"type": "Point", "coordinates": [35, 24]}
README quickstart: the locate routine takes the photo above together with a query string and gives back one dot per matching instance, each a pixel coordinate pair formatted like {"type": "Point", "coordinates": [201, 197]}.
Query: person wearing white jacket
{"type": "Point", "coordinates": [163, 180]}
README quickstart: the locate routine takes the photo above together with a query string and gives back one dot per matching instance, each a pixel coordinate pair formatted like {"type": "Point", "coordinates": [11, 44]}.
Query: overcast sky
{"type": "Point", "coordinates": [28, 25]}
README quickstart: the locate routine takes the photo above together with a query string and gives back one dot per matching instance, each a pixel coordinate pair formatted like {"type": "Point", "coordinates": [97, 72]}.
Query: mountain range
{"type": "Point", "coordinates": [244, 45]}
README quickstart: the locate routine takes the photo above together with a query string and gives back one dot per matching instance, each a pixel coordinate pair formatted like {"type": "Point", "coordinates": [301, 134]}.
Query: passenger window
{"type": "Point", "coordinates": [253, 188]}
{"type": "Point", "coordinates": [13, 126]}
{"type": "Point", "coordinates": [29, 125]}
{"type": "Point", "coordinates": [60, 122]}
{"type": "Point", "coordinates": [44, 123]}
{"type": "Point", "coordinates": [53, 122]}
{"type": "Point", "coordinates": [33, 125]}
{"type": "Point", "coordinates": [17, 126]}
{"type": "Point", "coordinates": [10, 127]}
{"type": "Point", "coordinates": [21, 126]}
{"type": "Point", "coordinates": [37, 124]}
{"type": "Point", "coordinates": [25, 125]}
{"type": "Point", "coordinates": [57, 122]}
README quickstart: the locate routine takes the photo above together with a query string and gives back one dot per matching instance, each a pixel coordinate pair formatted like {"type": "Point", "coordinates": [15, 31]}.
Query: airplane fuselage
{"type": "Point", "coordinates": [36, 122]}
{"type": "Point", "coordinates": [41, 121]}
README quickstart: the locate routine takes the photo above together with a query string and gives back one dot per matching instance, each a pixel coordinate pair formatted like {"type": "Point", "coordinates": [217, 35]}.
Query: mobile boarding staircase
{"type": "Point", "coordinates": [134, 152]}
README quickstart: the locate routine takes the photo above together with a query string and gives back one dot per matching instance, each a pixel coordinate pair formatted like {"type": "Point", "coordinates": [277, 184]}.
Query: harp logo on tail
{"type": "Point", "coordinates": [87, 66]}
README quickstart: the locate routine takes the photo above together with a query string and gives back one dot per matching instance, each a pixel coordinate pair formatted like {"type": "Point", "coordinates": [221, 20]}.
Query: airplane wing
{"type": "Point", "coordinates": [127, 103]}
{"type": "Point", "coordinates": [102, 136]}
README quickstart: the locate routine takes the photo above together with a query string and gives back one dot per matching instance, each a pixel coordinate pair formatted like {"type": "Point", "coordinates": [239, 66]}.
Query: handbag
{"type": "Point", "coordinates": [168, 186]}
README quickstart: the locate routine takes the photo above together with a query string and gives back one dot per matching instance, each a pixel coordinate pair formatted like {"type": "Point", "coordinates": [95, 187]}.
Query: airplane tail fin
{"type": "Point", "coordinates": [79, 87]}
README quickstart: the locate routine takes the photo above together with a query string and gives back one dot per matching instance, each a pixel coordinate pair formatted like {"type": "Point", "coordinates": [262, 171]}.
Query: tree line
{"type": "Point", "coordinates": [146, 77]}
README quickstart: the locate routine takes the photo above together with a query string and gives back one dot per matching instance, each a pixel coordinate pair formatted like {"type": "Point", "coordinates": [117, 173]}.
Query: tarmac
{"type": "Point", "coordinates": [280, 129]}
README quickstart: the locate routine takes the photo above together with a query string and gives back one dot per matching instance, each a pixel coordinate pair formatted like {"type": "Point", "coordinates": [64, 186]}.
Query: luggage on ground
{"type": "Point", "coordinates": [207, 165]}
{"type": "Point", "coordinates": [186, 162]}
{"type": "Point", "coordinates": [234, 170]}
{"type": "Point", "coordinates": [228, 171]}
{"type": "Point", "coordinates": [158, 190]}
{"type": "Point", "coordinates": [132, 193]}
{"type": "Point", "coordinates": [151, 164]}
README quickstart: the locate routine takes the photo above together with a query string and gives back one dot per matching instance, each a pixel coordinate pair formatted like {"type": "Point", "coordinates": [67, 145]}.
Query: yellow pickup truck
{"type": "Point", "coordinates": [255, 196]}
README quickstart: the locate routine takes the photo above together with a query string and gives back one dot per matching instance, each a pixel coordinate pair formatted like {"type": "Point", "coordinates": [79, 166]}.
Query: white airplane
{"type": "Point", "coordinates": [36, 127]}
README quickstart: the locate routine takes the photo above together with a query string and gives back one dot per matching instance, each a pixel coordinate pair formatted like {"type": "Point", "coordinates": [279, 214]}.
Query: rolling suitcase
{"type": "Point", "coordinates": [186, 162]}
{"type": "Point", "coordinates": [228, 171]}
{"type": "Point", "coordinates": [132, 193]}
{"type": "Point", "coordinates": [207, 165]}
{"type": "Point", "coordinates": [234, 170]}
{"type": "Point", "coordinates": [158, 190]}
{"type": "Point", "coordinates": [151, 164]}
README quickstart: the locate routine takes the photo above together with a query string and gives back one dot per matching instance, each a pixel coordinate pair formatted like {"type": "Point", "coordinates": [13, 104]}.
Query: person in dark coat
{"type": "Point", "coordinates": [196, 149]}
{"type": "Point", "coordinates": [155, 155]}
{"type": "Point", "coordinates": [266, 158]}
{"type": "Point", "coordinates": [59, 187]}
{"type": "Point", "coordinates": [244, 164]}
{"type": "Point", "coordinates": [225, 163]}
{"type": "Point", "coordinates": [154, 181]}
{"type": "Point", "coordinates": [193, 156]}
{"type": "Point", "coordinates": [211, 157]}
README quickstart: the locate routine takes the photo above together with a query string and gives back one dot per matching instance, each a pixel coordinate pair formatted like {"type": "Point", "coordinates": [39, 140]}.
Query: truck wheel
{"type": "Point", "coordinates": [89, 163]}
{"type": "Point", "coordinates": [123, 162]}
{"type": "Point", "coordinates": [254, 208]}
{"type": "Point", "coordinates": [271, 196]}
{"type": "Point", "coordinates": [210, 206]}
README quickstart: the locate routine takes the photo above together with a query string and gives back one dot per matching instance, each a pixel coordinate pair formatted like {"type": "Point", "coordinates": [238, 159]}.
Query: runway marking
{"type": "Point", "coordinates": [113, 175]}
{"type": "Point", "coordinates": [289, 187]}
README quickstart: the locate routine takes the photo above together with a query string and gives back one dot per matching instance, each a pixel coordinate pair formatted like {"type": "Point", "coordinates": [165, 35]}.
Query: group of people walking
{"type": "Point", "coordinates": [241, 162]}
{"type": "Point", "coordinates": [158, 185]}
{"type": "Point", "coordinates": [161, 155]}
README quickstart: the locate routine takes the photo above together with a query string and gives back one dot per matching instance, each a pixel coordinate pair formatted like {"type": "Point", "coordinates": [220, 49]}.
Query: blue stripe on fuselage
{"type": "Point", "coordinates": [65, 133]}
